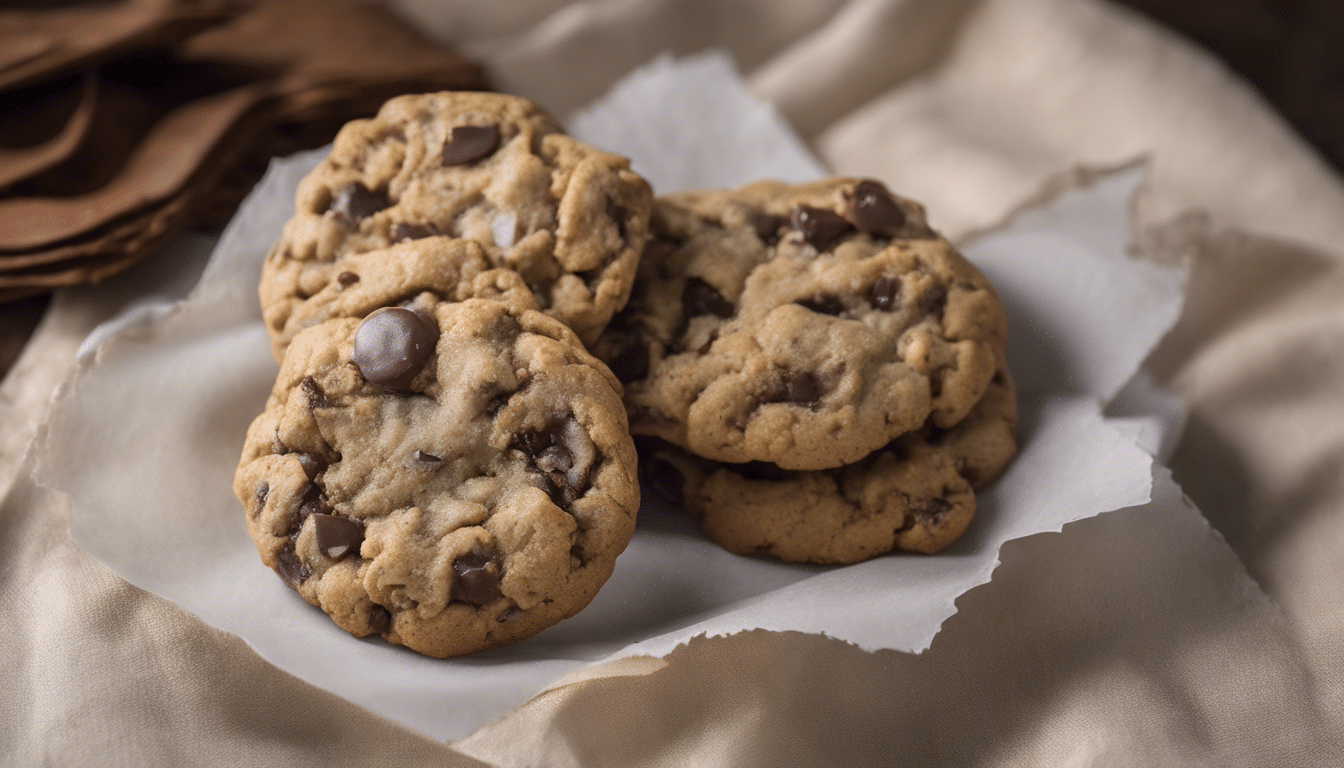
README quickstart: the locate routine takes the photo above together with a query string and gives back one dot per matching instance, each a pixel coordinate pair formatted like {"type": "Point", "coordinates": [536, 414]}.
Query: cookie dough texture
{"type": "Point", "coordinates": [806, 326]}
{"type": "Point", "coordinates": [915, 494]}
{"type": "Point", "coordinates": [493, 169]}
{"type": "Point", "coordinates": [450, 477]}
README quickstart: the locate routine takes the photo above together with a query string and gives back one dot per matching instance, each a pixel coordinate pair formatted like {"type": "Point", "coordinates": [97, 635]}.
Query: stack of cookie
{"type": "Point", "coordinates": [819, 375]}
{"type": "Point", "coordinates": [444, 462]}
{"type": "Point", "coordinates": [441, 461]}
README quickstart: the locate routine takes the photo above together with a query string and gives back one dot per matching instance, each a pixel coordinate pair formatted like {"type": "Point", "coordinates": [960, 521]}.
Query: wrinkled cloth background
{"type": "Point", "coordinates": [1117, 642]}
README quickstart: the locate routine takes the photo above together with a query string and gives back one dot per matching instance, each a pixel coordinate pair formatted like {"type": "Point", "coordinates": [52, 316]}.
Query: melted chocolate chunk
{"type": "Point", "coordinates": [477, 579]}
{"type": "Point", "coordinates": [469, 143]}
{"type": "Point", "coordinates": [314, 502]}
{"type": "Point", "coordinates": [823, 304]}
{"type": "Point", "coordinates": [312, 464]}
{"type": "Point", "coordinates": [700, 298]}
{"type": "Point", "coordinates": [347, 279]}
{"type": "Point", "coordinates": [631, 361]}
{"type": "Point", "coordinates": [930, 511]}
{"type": "Point", "coordinates": [427, 458]}
{"type": "Point", "coordinates": [873, 210]}
{"type": "Point", "coordinates": [820, 227]}
{"type": "Point", "coordinates": [290, 568]}
{"type": "Point", "coordinates": [392, 346]}
{"type": "Point", "coordinates": [551, 461]}
{"type": "Point", "coordinates": [934, 301]}
{"type": "Point", "coordinates": [404, 231]}
{"type": "Point", "coordinates": [312, 392]}
{"type": "Point", "coordinates": [354, 201]}
{"type": "Point", "coordinates": [337, 537]}
{"type": "Point", "coordinates": [767, 226]}
{"type": "Point", "coordinates": [380, 619]}
{"type": "Point", "coordinates": [794, 387]}
{"type": "Point", "coordinates": [886, 293]}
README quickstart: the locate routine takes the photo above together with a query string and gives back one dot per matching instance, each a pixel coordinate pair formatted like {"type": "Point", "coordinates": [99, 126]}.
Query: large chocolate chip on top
{"type": "Point", "coordinates": [469, 143]}
{"type": "Point", "coordinates": [392, 346]}
{"type": "Point", "coordinates": [874, 211]}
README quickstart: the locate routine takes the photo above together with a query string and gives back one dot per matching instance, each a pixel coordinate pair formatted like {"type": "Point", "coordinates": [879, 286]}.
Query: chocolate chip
{"type": "Point", "coordinates": [874, 211]}
{"type": "Point", "coordinates": [404, 231]}
{"type": "Point", "coordinates": [934, 301]}
{"type": "Point", "coordinates": [311, 464]}
{"type": "Point", "coordinates": [469, 143]}
{"type": "Point", "coordinates": [617, 214]}
{"type": "Point", "coordinates": [930, 510]}
{"type": "Point", "coordinates": [380, 619]}
{"type": "Point", "coordinates": [477, 582]}
{"type": "Point", "coordinates": [700, 298]}
{"type": "Point", "coordinates": [820, 227]}
{"type": "Point", "coordinates": [885, 293]}
{"type": "Point", "coordinates": [312, 392]}
{"type": "Point", "coordinates": [314, 502]}
{"type": "Point", "coordinates": [337, 537]}
{"type": "Point", "coordinates": [290, 568]}
{"type": "Point", "coordinates": [392, 345]}
{"type": "Point", "coordinates": [631, 361]}
{"type": "Point", "coordinates": [794, 387]}
{"type": "Point", "coordinates": [551, 462]}
{"type": "Point", "coordinates": [823, 304]}
{"type": "Point", "coordinates": [427, 458]}
{"type": "Point", "coordinates": [802, 387]}
{"type": "Point", "coordinates": [767, 226]}
{"type": "Point", "coordinates": [354, 201]}
{"type": "Point", "coordinates": [347, 279]}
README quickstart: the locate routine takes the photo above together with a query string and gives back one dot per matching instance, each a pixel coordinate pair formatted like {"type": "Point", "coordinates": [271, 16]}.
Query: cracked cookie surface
{"type": "Point", "coordinates": [915, 494]}
{"type": "Point", "coordinates": [450, 476]}
{"type": "Point", "coordinates": [489, 168]}
{"type": "Point", "coordinates": [805, 326]}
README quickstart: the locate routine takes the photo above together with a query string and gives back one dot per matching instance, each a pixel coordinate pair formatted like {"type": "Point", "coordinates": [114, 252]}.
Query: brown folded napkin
{"type": "Point", "coordinates": [125, 123]}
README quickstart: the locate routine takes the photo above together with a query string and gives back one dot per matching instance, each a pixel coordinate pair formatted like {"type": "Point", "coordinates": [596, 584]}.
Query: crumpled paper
{"type": "Point", "coordinates": [146, 435]}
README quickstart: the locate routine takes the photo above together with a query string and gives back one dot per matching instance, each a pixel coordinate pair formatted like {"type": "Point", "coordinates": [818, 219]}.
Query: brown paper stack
{"type": "Point", "coordinates": [122, 123]}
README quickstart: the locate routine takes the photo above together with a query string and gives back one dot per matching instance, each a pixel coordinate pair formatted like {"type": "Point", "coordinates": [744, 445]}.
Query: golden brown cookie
{"type": "Point", "coordinates": [915, 494]}
{"type": "Point", "coordinates": [450, 476]}
{"type": "Point", "coordinates": [486, 167]}
{"type": "Point", "coordinates": [805, 326]}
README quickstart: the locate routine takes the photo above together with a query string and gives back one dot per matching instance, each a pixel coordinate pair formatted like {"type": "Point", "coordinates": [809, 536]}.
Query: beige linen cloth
{"type": "Point", "coordinates": [1115, 643]}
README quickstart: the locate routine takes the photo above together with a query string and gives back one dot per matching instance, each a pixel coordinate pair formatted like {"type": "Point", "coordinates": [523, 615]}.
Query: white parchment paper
{"type": "Point", "coordinates": [146, 436]}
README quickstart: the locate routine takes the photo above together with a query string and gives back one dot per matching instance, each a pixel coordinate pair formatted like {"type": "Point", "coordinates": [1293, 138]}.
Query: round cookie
{"type": "Point", "coordinates": [450, 479]}
{"type": "Point", "coordinates": [494, 169]}
{"type": "Point", "coordinates": [805, 326]}
{"type": "Point", "coordinates": [915, 494]}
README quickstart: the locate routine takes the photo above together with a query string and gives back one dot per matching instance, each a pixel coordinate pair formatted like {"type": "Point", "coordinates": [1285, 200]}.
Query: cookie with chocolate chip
{"type": "Point", "coordinates": [490, 168]}
{"type": "Point", "coordinates": [805, 326]}
{"type": "Point", "coordinates": [915, 494]}
{"type": "Point", "coordinates": [448, 475]}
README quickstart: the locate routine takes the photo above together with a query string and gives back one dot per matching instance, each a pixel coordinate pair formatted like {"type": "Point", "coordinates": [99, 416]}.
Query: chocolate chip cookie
{"type": "Point", "coordinates": [449, 476]}
{"type": "Point", "coordinates": [494, 169]}
{"type": "Point", "coordinates": [915, 494]}
{"type": "Point", "coordinates": [805, 326]}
